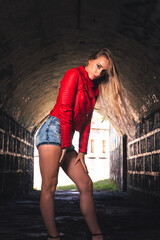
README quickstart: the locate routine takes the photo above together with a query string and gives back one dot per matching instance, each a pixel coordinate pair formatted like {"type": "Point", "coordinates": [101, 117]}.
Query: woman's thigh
{"type": "Point", "coordinates": [49, 156]}
{"type": "Point", "coordinates": [76, 172]}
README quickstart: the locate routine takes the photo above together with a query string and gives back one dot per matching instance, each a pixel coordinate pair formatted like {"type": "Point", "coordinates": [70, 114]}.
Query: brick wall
{"type": "Point", "coordinates": [16, 157]}
{"type": "Point", "coordinates": [118, 160]}
{"type": "Point", "coordinates": [144, 160]}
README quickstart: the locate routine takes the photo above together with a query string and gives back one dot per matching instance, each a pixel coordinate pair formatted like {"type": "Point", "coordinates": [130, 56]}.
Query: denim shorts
{"type": "Point", "coordinates": [50, 133]}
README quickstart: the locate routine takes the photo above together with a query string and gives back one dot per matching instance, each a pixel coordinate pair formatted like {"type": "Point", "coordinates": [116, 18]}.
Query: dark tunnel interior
{"type": "Point", "coordinates": [40, 40]}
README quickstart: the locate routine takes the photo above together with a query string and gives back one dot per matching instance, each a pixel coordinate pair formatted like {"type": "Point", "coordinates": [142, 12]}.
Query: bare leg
{"type": "Point", "coordinates": [49, 156]}
{"type": "Point", "coordinates": [84, 184]}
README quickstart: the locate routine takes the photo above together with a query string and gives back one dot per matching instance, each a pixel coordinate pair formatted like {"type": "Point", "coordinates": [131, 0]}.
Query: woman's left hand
{"type": "Point", "coordinates": [62, 155]}
{"type": "Point", "coordinates": [81, 158]}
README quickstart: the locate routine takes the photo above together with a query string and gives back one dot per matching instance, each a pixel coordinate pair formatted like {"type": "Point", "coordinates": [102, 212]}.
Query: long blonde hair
{"type": "Point", "coordinates": [112, 102]}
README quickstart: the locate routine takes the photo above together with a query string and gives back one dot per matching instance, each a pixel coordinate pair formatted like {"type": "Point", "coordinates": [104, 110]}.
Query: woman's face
{"type": "Point", "coordinates": [97, 68]}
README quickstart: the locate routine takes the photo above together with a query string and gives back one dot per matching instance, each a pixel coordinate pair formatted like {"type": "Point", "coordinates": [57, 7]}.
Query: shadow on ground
{"type": "Point", "coordinates": [122, 217]}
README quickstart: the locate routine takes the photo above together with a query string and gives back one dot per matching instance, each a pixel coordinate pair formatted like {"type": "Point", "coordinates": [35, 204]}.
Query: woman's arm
{"type": "Point", "coordinates": [84, 134]}
{"type": "Point", "coordinates": [66, 100]}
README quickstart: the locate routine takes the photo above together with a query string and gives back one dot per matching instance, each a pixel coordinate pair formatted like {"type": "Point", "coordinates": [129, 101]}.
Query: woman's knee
{"type": "Point", "coordinates": [86, 186]}
{"type": "Point", "coordinates": [49, 186]}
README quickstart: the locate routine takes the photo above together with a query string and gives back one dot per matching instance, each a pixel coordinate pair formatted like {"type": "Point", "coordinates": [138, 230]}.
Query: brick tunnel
{"type": "Point", "coordinates": [41, 40]}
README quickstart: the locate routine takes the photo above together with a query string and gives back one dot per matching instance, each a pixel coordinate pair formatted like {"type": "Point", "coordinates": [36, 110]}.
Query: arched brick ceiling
{"type": "Point", "coordinates": [42, 39]}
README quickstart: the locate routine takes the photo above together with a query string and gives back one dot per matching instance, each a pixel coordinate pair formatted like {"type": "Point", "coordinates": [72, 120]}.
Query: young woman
{"type": "Point", "coordinates": [81, 88]}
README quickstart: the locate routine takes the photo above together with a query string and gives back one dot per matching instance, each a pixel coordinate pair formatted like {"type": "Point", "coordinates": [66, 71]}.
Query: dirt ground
{"type": "Point", "coordinates": [119, 216]}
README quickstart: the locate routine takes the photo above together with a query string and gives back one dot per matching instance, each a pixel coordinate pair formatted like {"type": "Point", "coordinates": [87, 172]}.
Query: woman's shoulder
{"type": "Point", "coordinates": [73, 71]}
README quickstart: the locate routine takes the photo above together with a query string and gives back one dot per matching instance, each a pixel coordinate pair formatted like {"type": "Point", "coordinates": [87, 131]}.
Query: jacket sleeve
{"type": "Point", "coordinates": [84, 134]}
{"type": "Point", "coordinates": [67, 93]}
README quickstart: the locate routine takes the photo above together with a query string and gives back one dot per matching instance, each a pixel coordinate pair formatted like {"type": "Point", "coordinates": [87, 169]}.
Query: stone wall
{"type": "Point", "coordinates": [16, 157]}
{"type": "Point", "coordinates": [144, 160]}
{"type": "Point", "coordinates": [118, 159]}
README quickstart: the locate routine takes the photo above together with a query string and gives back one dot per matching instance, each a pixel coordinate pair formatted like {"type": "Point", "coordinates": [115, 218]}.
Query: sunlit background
{"type": "Point", "coordinates": [97, 158]}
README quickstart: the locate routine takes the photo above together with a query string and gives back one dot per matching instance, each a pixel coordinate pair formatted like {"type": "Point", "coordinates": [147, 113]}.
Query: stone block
{"type": "Point", "coordinates": [129, 164]}
{"type": "Point", "coordinates": [5, 120]}
{"type": "Point", "coordinates": [2, 162]}
{"type": "Point", "coordinates": [13, 127]}
{"type": "Point", "coordinates": [6, 140]}
{"type": "Point", "coordinates": [156, 162]}
{"type": "Point", "coordinates": [17, 130]}
{"type": "Point", "coordinates": [157, 120]}
{"type": "Point", "coordinates": [7, 124]}
{"type": "Point", "coordinates": [18, 146]}
{"type": "Point", "coordinates": [27, 165]}
{"type": "Point", "coordinates": [20, 163]}
{"type": "Point", "coordinates": [131, 150]}
{"type": "Point", "coordinates": [157, 141]}
{"type": "Point", "coordinates": [135, 146]}
{"type": "Point", "coordinates": [32, 140]}
{"type": "Point", "coordinates": [22, 148]}
{"type": "Point", "coordinates": [139, 147]}
{"type": "Point", "coordinates": [10, 144]}
{"type": "Point", "coordinates": [23, 160]}
{"type": "Point", "coordinates": [31, 166]}
{"type": "Point", "coordinates": [30, 151]}
{"type": "Point", "coordinates": [138, 130]}
{"type": "Point", "coordinates": [151, 124]}
{"type": "Point", "coordinates": [24, 134]}
{"type": "Point", "coordinates": [148, 163]}
{"type": "Point", "coordinates": [133, 167]}
{"type": "Point", "coordinates": [32, 148]}
{"type": "Point", "coordinates": [139, 164]}
{"type": "Point", "coordinates": [21, 132]}
{"type": "Point", "coordinates": [25, 149]}
{"type": "Point", "coordinates": [150, 143]}
{"type": "Point", "coordinates": [1, 119]}
{"type": "Point", "coordinates": [143, 145]}
{"type": "Point", "coordinates": [28, 136]}
{"type": "Point", "coordinates": [1, 141]}
{"type": "Point", "coordinates": [15, 145]}
{"type": "Point", "coordinates": [147, 126]}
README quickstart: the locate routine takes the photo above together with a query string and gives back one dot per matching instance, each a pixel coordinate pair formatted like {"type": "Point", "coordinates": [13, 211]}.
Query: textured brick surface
{"type": "Point", "coordinates": [157, 141]}
{"type": "Point", "coordinates": [150, 143]}
{"type": "Point", "coordinates": [16, 158]}
{"type": "Point", "coordinates": [148, 163]}
{"type": "Point", "coordinates": [155, 163]}
{"type": "Point", "coordinates": [139, 164]}
{"type": "Point", "coordinates": [144, 159]}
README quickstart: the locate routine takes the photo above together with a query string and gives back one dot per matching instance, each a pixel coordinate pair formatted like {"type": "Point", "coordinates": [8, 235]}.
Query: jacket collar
{"type": "Point", "coordinates": [85, 74]}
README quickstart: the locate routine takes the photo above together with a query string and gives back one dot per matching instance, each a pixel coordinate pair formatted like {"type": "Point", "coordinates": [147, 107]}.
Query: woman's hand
{"type": "Point", "coordinates": [62, 155]}
{"type": "Point", "coordinates": [81, 158]}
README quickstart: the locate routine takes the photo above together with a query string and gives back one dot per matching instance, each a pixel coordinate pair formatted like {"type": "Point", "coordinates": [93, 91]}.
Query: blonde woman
{"type": "Point", "coordinates": [80, 89]}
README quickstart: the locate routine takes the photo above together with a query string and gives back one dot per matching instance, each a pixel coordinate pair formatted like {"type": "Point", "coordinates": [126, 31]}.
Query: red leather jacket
{"type": "Point", "coordinates": [74, 106]}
